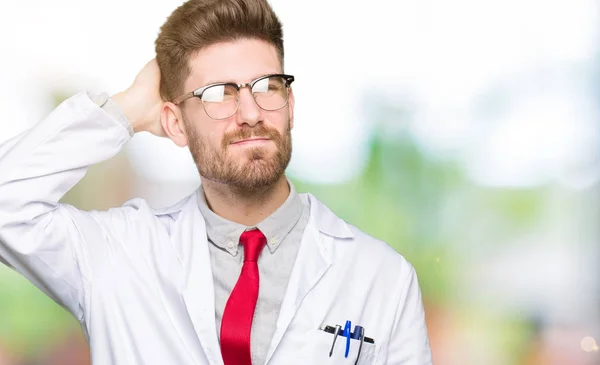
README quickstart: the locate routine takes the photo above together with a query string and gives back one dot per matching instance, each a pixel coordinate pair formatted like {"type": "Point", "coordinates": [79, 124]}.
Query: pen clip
{"type": "Point", "coordinates": [335, 336]}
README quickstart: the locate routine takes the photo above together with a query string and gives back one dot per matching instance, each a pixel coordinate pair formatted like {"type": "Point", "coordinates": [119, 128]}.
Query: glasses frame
{"type": "Point", "coordinates": [198, 92]}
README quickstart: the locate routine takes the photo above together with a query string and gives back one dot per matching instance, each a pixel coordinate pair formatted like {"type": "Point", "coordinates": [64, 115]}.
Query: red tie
{"type": "Point", "coordinates": [239, 310]}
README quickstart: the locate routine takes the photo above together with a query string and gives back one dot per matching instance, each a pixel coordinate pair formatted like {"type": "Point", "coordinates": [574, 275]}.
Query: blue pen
{"type": "Point", "coordinates": [347, 330]}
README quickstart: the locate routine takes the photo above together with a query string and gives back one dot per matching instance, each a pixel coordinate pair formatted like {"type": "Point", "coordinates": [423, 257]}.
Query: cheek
{"type": "Point", "coordinates": [206, 138]}
{"type": "Point", "coordinates": [280, 122]}
{"type": "Point", "coordinates": [215, 139]}
{"type": "Point", "coordinates": [216, 135]}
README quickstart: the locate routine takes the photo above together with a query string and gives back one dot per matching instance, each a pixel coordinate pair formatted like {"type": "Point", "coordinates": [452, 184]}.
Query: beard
{"type": "Point", "coordinates": [259, 168]}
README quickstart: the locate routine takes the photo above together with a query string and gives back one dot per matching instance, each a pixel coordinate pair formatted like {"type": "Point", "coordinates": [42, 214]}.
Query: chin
{"type": "Point", "coordinates": [254, 166]}
{"type": "Point", "coordinates": [255, 181]}
{"type": "Point", "coordinates": [259, 172]}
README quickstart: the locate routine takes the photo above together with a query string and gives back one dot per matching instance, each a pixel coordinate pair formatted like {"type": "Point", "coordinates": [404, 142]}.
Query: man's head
{"type": "Point", "coordinates": [212, 41]}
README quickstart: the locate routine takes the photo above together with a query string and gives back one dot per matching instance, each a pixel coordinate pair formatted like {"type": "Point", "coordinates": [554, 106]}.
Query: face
{"type": "Point", "coordinates": [252, 148]}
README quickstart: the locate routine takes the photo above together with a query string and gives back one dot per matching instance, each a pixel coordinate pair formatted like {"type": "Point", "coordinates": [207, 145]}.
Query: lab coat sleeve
{"type": "Point", "coordinates": [409, 342]}
{"type": "Point", "coordinates": [39, 237]}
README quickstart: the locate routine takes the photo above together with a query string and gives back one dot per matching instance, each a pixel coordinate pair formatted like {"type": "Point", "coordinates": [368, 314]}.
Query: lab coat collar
{"type": "Point", "coordinates": [198, 291]}
{"type": "Point", "coordinates": [314, 259]}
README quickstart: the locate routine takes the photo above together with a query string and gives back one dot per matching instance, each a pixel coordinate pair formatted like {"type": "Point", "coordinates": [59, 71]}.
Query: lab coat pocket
{"type": "Point", "coordinates": [321, 342]}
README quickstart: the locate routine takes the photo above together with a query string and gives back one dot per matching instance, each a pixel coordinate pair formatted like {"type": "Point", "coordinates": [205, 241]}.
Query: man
{"type": "Point", "coordinates": [244, 270]}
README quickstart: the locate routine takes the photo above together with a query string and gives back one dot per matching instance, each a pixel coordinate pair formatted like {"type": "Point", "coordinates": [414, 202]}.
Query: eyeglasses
{"type": "Point", "coordinates": [222, 100]}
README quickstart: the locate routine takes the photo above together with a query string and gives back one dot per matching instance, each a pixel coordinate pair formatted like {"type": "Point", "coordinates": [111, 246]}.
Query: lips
{"type": "Point", "coordinates": [251, 140]}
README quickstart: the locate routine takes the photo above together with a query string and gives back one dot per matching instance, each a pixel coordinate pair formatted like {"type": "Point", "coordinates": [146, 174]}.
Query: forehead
{"type": "Point", "coordinates": [236, 61]}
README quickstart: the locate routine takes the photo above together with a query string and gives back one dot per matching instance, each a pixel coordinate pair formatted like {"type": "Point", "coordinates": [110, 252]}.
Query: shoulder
{"type": "Point", "coordinates": [373, 264]}
{"type": "Point", "coordinates": [141, 205]}
{"type": "Point", "coordinates": [378, 253]}
{"type": "Point", "coordinates": [355, 244]}
{"type": "Point", "coordinates": [137, 213]}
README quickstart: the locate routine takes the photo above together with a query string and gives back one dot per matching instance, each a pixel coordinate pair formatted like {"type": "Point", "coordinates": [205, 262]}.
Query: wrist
{"type": "Point", "coordinates": [128, 107]}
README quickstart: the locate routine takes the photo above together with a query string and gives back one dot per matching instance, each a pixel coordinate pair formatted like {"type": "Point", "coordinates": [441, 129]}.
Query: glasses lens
{"type": "Point", "coordinates": [271, 93]}
{"type": "Point", "coordinates": [220, 101]}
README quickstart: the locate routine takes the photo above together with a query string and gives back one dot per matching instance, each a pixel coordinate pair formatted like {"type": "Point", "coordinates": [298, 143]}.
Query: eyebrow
{"type": "Point", "coordinates": [230, 81]}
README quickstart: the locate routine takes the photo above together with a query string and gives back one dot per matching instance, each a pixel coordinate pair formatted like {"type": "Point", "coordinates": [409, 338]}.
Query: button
{"type": "Point", "coordinates": [230, 244]}
{"type": "Point", "coordinates": [274, 241]}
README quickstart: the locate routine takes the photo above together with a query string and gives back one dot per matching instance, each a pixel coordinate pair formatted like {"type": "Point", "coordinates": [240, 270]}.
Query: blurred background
{"type": "Point", "coordinates": [464, 133]}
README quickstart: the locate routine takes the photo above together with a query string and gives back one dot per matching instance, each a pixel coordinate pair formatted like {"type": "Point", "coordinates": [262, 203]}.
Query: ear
{"type": "Point", "coordinates": [291, 107]}
{"type": "Point", "coordinates": [171, 119]}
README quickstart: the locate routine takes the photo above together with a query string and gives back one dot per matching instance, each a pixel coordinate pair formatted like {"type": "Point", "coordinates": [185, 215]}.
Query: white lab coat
{"type": "Point", "coordinates": [139, 280]}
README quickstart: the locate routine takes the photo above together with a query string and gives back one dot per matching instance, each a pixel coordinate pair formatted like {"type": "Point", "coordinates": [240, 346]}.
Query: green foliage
{"type": "Point", "coordinates": [33, 317]}
{"type": "Point", "coordinates": [426, 209]}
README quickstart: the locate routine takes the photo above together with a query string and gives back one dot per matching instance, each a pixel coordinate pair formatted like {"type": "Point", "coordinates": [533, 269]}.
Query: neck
{"type": "Point", "coordinates": [245, 207]}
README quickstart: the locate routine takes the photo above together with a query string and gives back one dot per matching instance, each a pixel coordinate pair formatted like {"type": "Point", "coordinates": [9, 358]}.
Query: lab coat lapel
{"type": "Point", "coordinates": [198, 292]}
{"type": "Point", "coordinates": [314, 258]}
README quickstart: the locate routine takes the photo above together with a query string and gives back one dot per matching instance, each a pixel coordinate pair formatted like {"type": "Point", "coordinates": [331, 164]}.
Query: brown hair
{"type": "Point", "coordinates": [200, 23]}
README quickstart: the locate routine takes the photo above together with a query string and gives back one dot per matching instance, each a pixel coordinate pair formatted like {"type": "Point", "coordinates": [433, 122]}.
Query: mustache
{"type": "Point", "coordinates": [259, 131]}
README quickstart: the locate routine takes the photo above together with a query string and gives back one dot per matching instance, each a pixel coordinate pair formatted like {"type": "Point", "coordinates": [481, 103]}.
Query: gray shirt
{"type": "Point", "coordinates": [283, 230]}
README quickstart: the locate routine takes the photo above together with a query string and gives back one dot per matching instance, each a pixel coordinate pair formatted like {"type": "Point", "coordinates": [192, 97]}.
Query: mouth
{"type": "Point", "coordinates": [251, 141]}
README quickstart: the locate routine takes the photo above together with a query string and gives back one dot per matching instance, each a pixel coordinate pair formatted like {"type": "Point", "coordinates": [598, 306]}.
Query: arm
{"type": "Point", "coordinates": [39, 237]}
{"type": "Point", "coordinates": [409, 342]}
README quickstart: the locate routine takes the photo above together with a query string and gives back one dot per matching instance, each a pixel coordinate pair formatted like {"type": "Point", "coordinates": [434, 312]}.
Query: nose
{"type": "Point", "coordinates": [249, 111]}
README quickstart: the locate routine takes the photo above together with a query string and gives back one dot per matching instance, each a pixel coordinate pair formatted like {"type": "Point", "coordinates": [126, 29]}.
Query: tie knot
{"type": "Point", "coordinates": [253, 242]}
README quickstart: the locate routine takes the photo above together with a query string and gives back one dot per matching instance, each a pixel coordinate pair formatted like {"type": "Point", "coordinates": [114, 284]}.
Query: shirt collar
{"type": "Point", "coordinates": [226, 234]}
